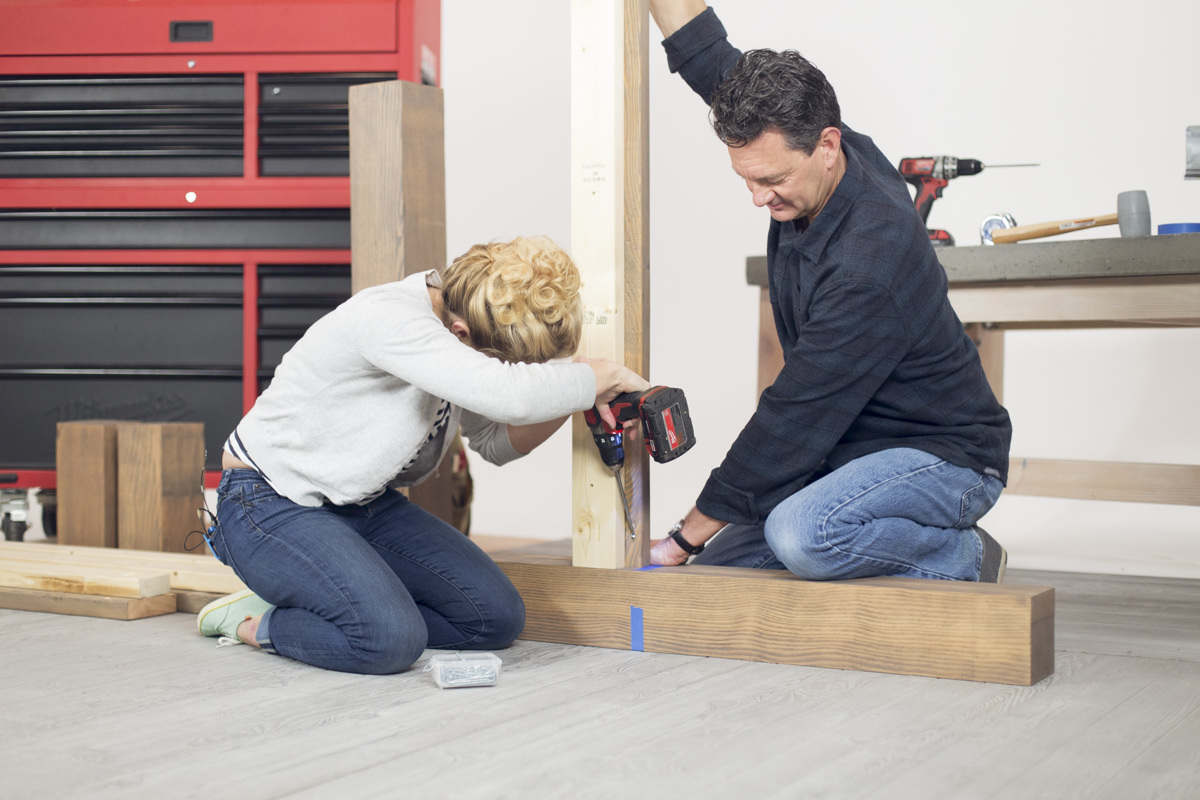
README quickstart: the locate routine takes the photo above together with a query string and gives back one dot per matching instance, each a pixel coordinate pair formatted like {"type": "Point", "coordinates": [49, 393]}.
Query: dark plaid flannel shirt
{"type": "Point", "coordinates": [875, 357]}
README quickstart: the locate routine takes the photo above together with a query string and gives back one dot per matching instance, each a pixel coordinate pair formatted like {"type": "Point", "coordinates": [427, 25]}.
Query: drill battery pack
{"type": "Point", "coordinates": [666, 423]}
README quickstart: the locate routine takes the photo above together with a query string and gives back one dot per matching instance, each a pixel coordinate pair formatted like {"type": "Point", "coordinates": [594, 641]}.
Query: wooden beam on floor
{"type": "Point", "coordinates": [113, 581]}
{"type": "Point", "coordinates": [83, 605]}
{"type": "Point", "coordinates": [184, 571]}
{"type": "Point", "coordinates": [943, 629]}
{"type": "Point", "coordinates": [610, 243]}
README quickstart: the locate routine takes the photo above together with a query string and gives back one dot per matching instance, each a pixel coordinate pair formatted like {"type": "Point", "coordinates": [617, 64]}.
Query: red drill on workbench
{"type": "Point", "coordinates": [931, 174]}
{"type": "Point", "coordinates": [666, 425]}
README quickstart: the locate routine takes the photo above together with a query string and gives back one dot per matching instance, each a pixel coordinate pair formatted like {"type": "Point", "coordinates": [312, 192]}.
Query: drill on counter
{"type": "Point", "coordinates": [931, 174]}
{"type": "Point", "coordinates": [666, 428]}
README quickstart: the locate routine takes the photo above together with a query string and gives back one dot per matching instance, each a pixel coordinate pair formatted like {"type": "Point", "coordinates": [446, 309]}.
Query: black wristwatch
{"type": "Point", "coordinates": [684, 544]}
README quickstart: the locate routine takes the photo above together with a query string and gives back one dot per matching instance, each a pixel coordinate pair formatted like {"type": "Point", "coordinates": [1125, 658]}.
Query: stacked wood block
{"type": "Point", "coordinates": [106, 582]}
{"type": "Point", "coordinates": [129, 484]}
{"type": "Point", "coordinates": [87, 482]}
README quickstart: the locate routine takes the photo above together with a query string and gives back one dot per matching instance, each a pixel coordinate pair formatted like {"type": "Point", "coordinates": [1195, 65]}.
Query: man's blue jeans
{"type": "Point", "coordinates": [896, 512]}
{"type": "Point", "coordinates": [361, 588]}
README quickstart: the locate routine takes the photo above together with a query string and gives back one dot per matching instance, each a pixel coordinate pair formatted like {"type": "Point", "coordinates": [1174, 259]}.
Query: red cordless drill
{"type": "Point", "coordinates": [931, 174]}
{"type": "Point", "coordinates": [666, 427]}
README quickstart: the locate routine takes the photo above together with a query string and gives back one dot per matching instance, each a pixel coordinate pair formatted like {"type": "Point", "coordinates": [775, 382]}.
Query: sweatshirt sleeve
{"type": "Point", "coordinates": [489, 439]}
{"type": "Point", "coordinates": [405, 339]}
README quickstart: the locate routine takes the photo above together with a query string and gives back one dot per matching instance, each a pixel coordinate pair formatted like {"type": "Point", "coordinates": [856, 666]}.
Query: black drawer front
{"type": "Point", "coordinates": [37, 403]}
{"type": "Point", "coordinates": [301, 228]}
{"type": "Point", "coordinates": [84, 317]}
{"type": "Point", "coordinates": [121, 126]}
{"type": "Point", "coordinates": [304, 122]}
{"type": "Point", "coordinates": [291, 298]}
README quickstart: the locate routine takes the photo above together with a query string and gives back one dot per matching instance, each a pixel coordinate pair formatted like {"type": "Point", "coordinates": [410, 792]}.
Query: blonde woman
{"type": "Point", "coordinates": [342, 572]}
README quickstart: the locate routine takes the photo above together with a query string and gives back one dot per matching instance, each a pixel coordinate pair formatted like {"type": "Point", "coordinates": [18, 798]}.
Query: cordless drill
{"type": "Point", "coordinates": [666, 428]}
{"type": "Point", "coordinates": [930, 174]}
{"type": "Point", "coordinates": [666, 425]}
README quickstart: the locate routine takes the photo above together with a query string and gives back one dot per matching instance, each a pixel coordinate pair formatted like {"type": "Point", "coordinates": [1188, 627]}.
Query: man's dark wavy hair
{"type": "Point", "coordinates": [769, 89]}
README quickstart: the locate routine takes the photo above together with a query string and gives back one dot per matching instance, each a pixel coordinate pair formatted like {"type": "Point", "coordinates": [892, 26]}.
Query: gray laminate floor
{"type": "Point", "coordinates": [95, 709]}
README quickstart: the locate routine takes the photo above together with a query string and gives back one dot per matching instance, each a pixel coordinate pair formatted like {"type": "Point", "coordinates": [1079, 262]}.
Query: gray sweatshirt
{"type": "Point", "coordinates": [354, 403]}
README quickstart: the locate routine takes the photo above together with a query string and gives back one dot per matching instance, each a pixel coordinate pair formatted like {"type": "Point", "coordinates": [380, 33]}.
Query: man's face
{"type": "Point", "coordinates": [788, 182]}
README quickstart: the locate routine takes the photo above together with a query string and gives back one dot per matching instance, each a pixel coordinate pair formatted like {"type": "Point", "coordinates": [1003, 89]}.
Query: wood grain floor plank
{"type": "Point", "coordinates": [100, 709]}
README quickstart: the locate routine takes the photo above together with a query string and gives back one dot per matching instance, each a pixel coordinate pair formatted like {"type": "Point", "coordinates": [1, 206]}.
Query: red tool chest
{"type": "Point", "coordinates": [174, 200]}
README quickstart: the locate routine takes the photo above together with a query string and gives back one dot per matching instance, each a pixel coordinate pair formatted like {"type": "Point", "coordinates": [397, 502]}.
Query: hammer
{"type": "Point", "coordinates": [1133, 215]}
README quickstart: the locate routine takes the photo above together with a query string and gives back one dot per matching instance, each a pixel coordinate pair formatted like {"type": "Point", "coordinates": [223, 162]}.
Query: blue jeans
{"type": "Point", "coordinates": [361, 588]}
{"type": "Point", "coordinates": [896, 512]}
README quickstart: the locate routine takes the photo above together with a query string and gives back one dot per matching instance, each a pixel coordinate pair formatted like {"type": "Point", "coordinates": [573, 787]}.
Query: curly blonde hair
{"type": "Point", "coordinates": [520, 299]}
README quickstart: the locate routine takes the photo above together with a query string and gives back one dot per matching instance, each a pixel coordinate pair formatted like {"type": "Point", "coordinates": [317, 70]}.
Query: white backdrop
{"type": "Point", "coordinates": [1100, 99]}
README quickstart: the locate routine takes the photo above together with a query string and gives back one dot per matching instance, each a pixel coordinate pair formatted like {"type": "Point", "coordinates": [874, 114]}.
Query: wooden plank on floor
{"type": "Point", "coordinates": [114, 581]}
{"type": "Point", "coordinates": [186, 571]}
{"type": "Point", "coordinates": [87, 605]}
{"type": "Point", "coordinates": [944, 629]}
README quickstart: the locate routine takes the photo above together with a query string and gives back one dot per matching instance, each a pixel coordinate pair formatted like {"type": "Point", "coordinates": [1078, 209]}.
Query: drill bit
{"type": "Point", "coordinates": [625, 503]}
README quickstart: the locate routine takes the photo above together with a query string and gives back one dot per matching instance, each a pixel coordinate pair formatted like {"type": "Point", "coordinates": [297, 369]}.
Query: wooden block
{"type": "Point", "coordinates": [86, 470]}
{"type": "Point", "coordinates": [610, 243]}
{"type": "Point", "coordinates": [115, 581]}
{"type": "Point", "coordinates": [160, 470]}
{"type": "Point", "coordinates": [397, 181]}
{"type": "Point", "coordinates": [944, 629]}
{"type": "Point", "coordinates": [87, 605]}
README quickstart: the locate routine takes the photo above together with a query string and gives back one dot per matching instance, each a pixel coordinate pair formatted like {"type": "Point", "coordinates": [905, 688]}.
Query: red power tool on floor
{"type": "Point", "coordinates": [666, 428]}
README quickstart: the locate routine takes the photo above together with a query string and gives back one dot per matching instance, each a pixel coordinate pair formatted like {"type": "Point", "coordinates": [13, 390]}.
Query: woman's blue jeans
{"type": "Point", "coordinates": [361, 588]}
{"type": "Point", "coordinates": [896, 512]}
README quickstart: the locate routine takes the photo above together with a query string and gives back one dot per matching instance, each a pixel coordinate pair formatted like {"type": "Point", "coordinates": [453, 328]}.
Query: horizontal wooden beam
{"type": "Point", "coordinates": [85, 605]}
{"type": "Point", "coordinates": [944, 629]}
{"type": "Point", "coordinates": [113, 581]}
{"type": "Point", "coordinates": [1177, 484]}
{"type": "Point", "coordinates": [1141, 301]}
{"type": "Point", "coordinates": [184, 571]}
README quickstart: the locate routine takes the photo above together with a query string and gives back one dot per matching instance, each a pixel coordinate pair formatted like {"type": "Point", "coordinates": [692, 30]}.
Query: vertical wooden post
{"type": "Point", "coordinates": [397, 181]}
{"type": "Point", "coordinates": [610, 243]}
{"type": "Point", "coordinates": [398, 208]}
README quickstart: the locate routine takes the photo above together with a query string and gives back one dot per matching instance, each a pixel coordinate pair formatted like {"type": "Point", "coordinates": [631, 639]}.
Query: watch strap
{"type": "Point", "coordinates": [684, 544]}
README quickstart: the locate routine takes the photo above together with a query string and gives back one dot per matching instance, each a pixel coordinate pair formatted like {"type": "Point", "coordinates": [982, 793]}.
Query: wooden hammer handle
{"type": "Point", "coordinates": [1039, 229]}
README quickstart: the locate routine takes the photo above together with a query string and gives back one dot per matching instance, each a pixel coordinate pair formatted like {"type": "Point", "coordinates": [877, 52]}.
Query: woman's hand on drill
{"type": "Point", "coordinates": [612, 379]}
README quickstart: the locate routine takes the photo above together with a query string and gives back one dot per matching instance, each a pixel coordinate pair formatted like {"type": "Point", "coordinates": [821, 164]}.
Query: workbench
{"type": "Point", "coordinates": [1136, 282]}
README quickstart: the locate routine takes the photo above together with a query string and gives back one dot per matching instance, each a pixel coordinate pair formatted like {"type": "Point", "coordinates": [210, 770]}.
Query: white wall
{"type": "Point", "coordinates": [1099, 95]}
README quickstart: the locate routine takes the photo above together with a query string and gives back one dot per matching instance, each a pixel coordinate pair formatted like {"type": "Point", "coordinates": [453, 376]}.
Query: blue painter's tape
{"type": "Point", "coordinates": [635, 629]}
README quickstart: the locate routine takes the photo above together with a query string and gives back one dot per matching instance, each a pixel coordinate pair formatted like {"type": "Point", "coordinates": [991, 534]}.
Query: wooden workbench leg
{"type": "Point", "coordinates": [610, 243]}
{"type": "Point", "coordinates": [990, 342]}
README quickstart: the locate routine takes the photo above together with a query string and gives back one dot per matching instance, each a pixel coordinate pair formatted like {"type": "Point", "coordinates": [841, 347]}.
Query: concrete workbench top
{"type": "Point", "coordinates": [1115, 257]}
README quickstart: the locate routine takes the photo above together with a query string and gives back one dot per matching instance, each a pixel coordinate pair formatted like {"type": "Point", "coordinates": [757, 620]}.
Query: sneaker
{"type": "Point", "coordinates": [995, 558]}
{"type": "Point", "coordinates": [222, 616]}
